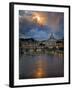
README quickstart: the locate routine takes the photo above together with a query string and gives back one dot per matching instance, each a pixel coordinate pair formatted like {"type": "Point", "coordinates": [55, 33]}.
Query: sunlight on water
{"type": "Point", "coordinates": [39, 73]}
{"type": "Point", "coordinates": [41, 66]}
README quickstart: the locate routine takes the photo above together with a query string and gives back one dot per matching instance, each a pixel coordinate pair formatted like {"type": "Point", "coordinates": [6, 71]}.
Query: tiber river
{"type": "Point", "coordinates": [41, 66]}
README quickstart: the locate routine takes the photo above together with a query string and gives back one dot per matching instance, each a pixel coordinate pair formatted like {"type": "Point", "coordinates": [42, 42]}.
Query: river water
{"type": "Point", "coordinates": [41, 66]}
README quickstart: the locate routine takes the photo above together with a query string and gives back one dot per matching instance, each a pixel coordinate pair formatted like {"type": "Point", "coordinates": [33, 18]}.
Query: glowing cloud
{"type": "Point", "coordinates": [39, 18]}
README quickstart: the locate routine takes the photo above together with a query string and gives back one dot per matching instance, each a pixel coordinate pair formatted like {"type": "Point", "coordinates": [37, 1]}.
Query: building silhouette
{"type": "Point", "coordinates": [30, 45]}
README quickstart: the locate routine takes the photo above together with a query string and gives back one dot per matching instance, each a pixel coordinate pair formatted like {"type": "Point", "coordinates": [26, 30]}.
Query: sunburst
{"type": "Point", "coordinates": [39, 19]}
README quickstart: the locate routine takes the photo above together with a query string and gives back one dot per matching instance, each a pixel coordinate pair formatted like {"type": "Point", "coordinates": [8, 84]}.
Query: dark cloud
{"type": "Point", "coordinates": [54, 20]}
{"type": "Point", "coordinates": [54, 24]}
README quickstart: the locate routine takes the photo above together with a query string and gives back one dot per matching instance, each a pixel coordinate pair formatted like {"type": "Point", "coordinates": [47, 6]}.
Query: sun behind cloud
{"type": "Point", "coordinates": [36, 18]}
{"type": "Point", "coordinates": [39, 18]}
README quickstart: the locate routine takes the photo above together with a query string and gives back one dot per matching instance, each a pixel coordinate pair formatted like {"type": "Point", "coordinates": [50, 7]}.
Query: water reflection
{"type": "Point", "coordinates": [39, 73]}
{"type": "Point", "coordinates": [41, 66]}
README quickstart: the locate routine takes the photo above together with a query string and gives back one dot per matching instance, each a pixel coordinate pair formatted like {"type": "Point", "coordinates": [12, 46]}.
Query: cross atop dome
{"type": "Point", "coordinates": [52, 38]}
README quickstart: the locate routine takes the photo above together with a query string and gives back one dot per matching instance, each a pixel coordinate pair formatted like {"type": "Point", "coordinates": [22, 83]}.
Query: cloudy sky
{"type": "Point", "coordinates": [39, 25]}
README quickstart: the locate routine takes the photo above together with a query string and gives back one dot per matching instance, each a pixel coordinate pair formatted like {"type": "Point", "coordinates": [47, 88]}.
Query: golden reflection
{"type": "Point", "coordinates": [41, 68]}
{"type": "Point", "coordinates": [40, 73]}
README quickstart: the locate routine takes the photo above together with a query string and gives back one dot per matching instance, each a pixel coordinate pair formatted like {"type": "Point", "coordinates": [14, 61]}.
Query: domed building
{"type": "Point", "coordinates": [51, 42]}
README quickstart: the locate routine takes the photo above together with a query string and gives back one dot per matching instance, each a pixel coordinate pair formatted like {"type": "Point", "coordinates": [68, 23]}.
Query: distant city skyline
{"type": "Point", "coordinates": [39, 24]}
